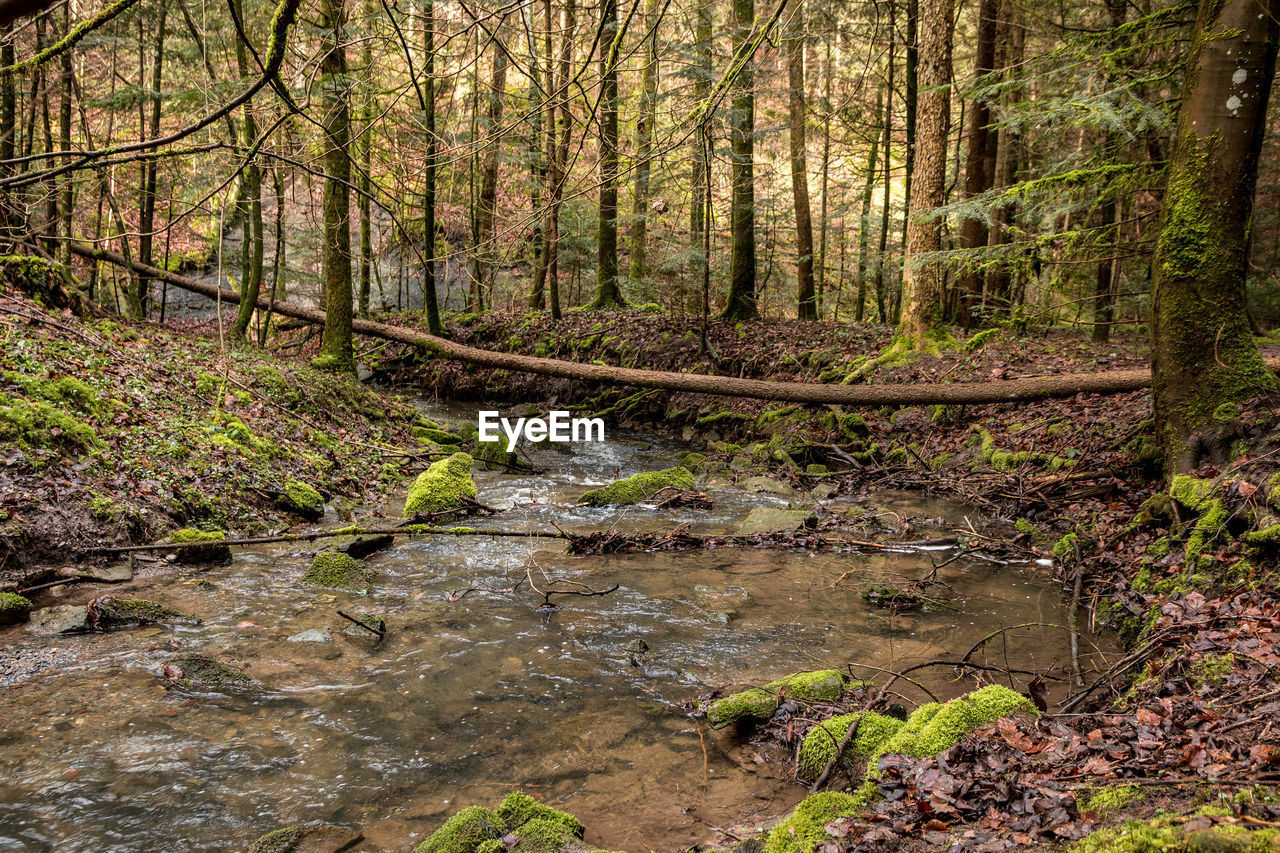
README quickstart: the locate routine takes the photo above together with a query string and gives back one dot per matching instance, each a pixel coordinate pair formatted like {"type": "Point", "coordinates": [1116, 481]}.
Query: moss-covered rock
{"type": "Point", "coordinates": [639, 487]}
{"type": "Point", "coordinates": [361, 545]}
{"type": "Point", "coordinates": [442, 487]}
{"type": "Point", "coordinates": [112, 612]}
{"type": "Point", "coordinates": [432, 435]}
{"type": "Point", "coordinates": [524, 824]}
{"type": "Point", "coordinates": [767, 519]}
{"type": "Point", "coordinates": [339, 571]}
{"type": "Point", "coordinates": [494, 455]}
{"type": "Point", "coordinates": [204, 553]}
{"type": "Point", "coordinates": [759, 703]}
{"type": "Point", "coordinates": [1177, 834]}
{"type": "Point", "coordinates": [37, 424]}
{"type": "Point", "coordinates": [518, 808]}
{"type": "Point", "coordinates": [313, 838]}
{"type": "Point", "coordinates": [820, 743]}
{"type": "Point", "coordinates": [464, 832]}
{"type": "Point", "coordinates": [303, 499]}
{"type": "Point", "coordinates": [200, 673]}
{"type": "Point", "coordinates": [805, 828]}
{"type": "Point", "coordinates": [14, 608]}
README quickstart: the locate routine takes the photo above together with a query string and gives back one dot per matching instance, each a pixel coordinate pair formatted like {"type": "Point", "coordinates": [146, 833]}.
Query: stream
{"type": "Point", "coordinates": [476, 690]}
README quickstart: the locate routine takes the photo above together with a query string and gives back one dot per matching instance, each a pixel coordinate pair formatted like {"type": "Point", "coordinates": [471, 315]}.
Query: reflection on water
{"type": "Point", "coordinates": [476, 690]}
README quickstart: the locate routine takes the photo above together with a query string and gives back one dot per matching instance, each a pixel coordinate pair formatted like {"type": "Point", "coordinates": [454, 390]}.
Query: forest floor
{"type": "Point", "coordinates": [119, 432]}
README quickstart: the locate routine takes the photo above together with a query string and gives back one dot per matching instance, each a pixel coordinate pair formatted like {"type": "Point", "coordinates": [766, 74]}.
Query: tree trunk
{"type": "Point", "coordinates": [66, 188]}
{"type": "Point", "coordinates": [487, 203]}
{"type": "Point", "coordinates": [335, 345]}
{"type": "Point", "coordinates": [806, 304]}
{"type": "Point", "coordinates": [1011, 40]}
{"type": "Point", "coordinates": [537, 293]}
{"type": "Point", "coordinates": [369, 104]}
{"type": "Point", "coordinates": [10, 224]}
{"type": "Point", "coordinates": [887, 126]}
{"type": "Point", "coordinates": [251, 193]}
{"type": "Point", "coordinates": [908, 394]}
{"type": "Point", "coordinates": [638, 235]}
{"type": "Point", "coordinates": [608, 292]}
{"type": "Point", "coordinates": [562, 147]}
{"type": "Point", "coordinates": [922, 281]}
{"type": "Point", "coordinates": [823, 226]}
{"type": "Point", "coordinates": [1203, 353]}
{"type": "Point", "coordinates": [864, 226]}
{"type": "Point", "coordinates": [741, 302]}
{"type": "Point", "coordinates": [698, 143]}
{"type": "Point", "coordinates": [977, 177]}
{"type": "Point", "coordinates": [1104, 282]}
{"type": "Point", "coordinates": [431, 300]}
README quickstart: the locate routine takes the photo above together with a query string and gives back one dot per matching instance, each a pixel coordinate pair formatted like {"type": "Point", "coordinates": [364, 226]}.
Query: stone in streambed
{"type": "Point", "coordinates": [212, 552]}
{"type": "Point", "coordinates": [767, 486]}
{"type": "Point", "coordinates": [339, 571]}
{"type": "Point", "coordinates": [758, 703]}
{"type": "Point", "coordinates": [63, 619]}
{"type": "Point", "coordinates": [314, 838]}
{"type": "Point", "coordinates": [118, 573]}
{"type": "Point", "coordinates": [772, 520]}
{"type": "Point", "coordinates": [442, 487]}
{"type": "Point", "coordinates": [14, 608]}
{"type": "Point", "coordinates": [200, 673]}
{"type": "Point", "coordinates": [115, 612]}
{"type": "Point", "coordinates": [360, 545]}
{"type": "Point", "coordinates": [639, 487]}
{"type": "Point", "coordinates": [301, 498]}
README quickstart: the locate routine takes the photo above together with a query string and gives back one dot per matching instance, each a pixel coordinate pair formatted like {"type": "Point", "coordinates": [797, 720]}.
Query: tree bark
{"type": "Point", "coordinates": [698, 144]}
{"type": "Point", "coordinates": [608, 291]}
{"type": "Point", "coordinates": [823, 225]}
{"type": "Point", "coordinates": [805, 298]}
{"type": "Point", "coordinates": [1204, 356]}
{"type": "Point", "coordinates": [881, 279]}
{"type": "Point", "coordinates": [978, 155]}
{"type": "Point", "coordinates": [335, 346]}
{"type": "Point", "coordinates": [741, 301]}
{"type": "Point", "coordinates": [864, 226]}
{"type": "Point", "coordinates": [487, 203]}
{"type": "Point", "coordinates": [638, 233]}
{"type": "Point", "coordinates": [922, 281]}
{"type": "Point", "coordinates": [250, 193]}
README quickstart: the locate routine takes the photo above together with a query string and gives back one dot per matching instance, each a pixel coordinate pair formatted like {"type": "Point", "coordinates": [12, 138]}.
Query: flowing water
{"type": "Point", "coordinates": [476, 689]}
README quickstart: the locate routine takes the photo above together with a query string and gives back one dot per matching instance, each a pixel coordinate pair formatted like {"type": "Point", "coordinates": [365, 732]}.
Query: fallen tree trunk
{"type": "Point", "coordinates": [995, 391]}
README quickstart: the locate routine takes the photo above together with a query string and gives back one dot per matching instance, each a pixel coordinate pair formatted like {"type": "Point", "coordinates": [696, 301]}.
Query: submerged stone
{"type": "Point", "coordinates": [339, 571]}
{"type": "Point", "coordinates": [767, 486]}
{"type": "Point", "coordinates": [112, 612]}
{"type": "Point", "coordinates": [763, 519]}
{"type": "Point", "coordinates": [442, 487]}
{"type": "Point", "coordinates": [361, 545]}
{"type": "Point", "coordinates": [210, 553]}
{"type": "Point", "coordinates": [197, 672]}
{"type": "Point", "coordinates": [118, 573]}
{"type": "Point", "coordinates": [639, 487]}
{"type": "Point", "coordinates": [312, 635]}
{"type": "Point", "coordinates": [14, 608]}
{"type": "Point", "coordinates": [313, 838]}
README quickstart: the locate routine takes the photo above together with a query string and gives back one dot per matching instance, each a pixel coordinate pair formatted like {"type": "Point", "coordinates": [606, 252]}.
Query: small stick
{"type": "Point", "coordinates": [382, 635]}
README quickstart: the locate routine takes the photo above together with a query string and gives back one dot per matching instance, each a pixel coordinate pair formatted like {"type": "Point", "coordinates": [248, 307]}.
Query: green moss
{"type": "Point", "coordinates": [196, 672]}
{"type": "Point", "coordinates": [1208, 528]}
{"type": "Point", "coordinates": [542, 836]}
{"type": "Point", "coordinates": [1065, 548]}
{"type": "Point", "coordinates": [852, 426]}
{"type": "Point", "coordinates": [980, 340]}
{"type": "Point", "coordinates": [1169, 834]}
{"type": "Point", "coordinates": [1212, 669]}
{"type": "Point", "coordinates": [302, 498]}
{"type": "Point", "coordinates": [639, 487]}
{"type": "Point", "coordinates": [805, 828]}
{"type": "Point", "coordinates": [208, 553]}
{"type": "Point", "coordinates": [277, 840]}
{"type": "Point", "coordinates": [442, 487]}
{"type": "Point", "coordinates": [37, 424]}
{"type": "Point", "coordinates": [464, 832]}
{"type": "Point", "coordinates": [1191, 492]}
{"type": "Point", "coordinates": [1111, 800]}
{"type": "Point", "coordinates": [820, 743]}
{"type": "Point", "coordinates": [1001, 460]}
{"type": "Point", "coordinates": [137, 611]}
{"type": "Point", "coordinates": [339, 571]}
{"type": "Point", "coordinates": [227, 430]}
{"type": "Point", "coordinates": [518, 808]}
{"type": "Point", "coordinates": [759, 703]}
{"type": "Point", "coordinates": [431, 435]}
{"type": "Point", "coordinates": [494, 454]}
{"type": "Point", "coordinates": [13, 608]}
{"type": "Point", "coordinates": [1024, 526]}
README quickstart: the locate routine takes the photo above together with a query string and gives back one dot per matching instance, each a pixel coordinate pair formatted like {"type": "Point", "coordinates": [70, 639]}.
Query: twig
{"type": "Point", "coordinates": [354, 621]}
{"type": "Point", "coordinates": [324, 534]}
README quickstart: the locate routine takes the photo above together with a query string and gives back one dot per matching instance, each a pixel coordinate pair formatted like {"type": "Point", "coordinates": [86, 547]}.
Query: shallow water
{"type": "Point", "coordinates": [476, 689]}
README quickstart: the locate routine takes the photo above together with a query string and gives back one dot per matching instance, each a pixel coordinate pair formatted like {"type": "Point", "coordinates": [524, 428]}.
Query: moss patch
{"type": "Point", "coordinates": [14, 608]}
{"type": "Point", "coordinates": [442, 487]}
{"type": "Point", "coordinates": [532, 826]}
{"type": "Point", "coordinates": [639, 487]}
{"type": "Point", "coordinates": [1111, 800]}
{"type": "Point", "coordinates": [210, 553]}
{"type": "Point", "coordinates": [759, 703]}
{"type": "Point", "coordinates": [339, 571]}
{"type": "Point", "coordinates": [303, 499]}
{"type": "Point", "coordinates": [820, 743]}
{"type": "Point", "coordinates": [805, 828]}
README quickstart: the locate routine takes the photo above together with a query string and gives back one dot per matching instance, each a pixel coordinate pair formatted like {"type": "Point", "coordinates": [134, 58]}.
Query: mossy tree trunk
{"type": "Point", "coordinates": [638, 230]}
{"type": "Point", "coordinates": [335, 346]}
{"type": "Point", "coordinates": [487, 202]}
{"type": "Point", "coordinates": [979, 162]}
{"type": "Point", "coordinates": [1204, 357]}
{"type": "Point", "coordinates": [923, 280]}
{"type": "Point", "coordinates": [702, 74]}
{"type": "Point", "coordinates": [741, 302]}
{"type": "Point", "coordinates": [251, 191]}
{"type": "Point", "coordinates": [431, 300]}
{"type": "Point", "coordinates": [807, 308]}
{"type": "Point", "coordinates": [608, 291]}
